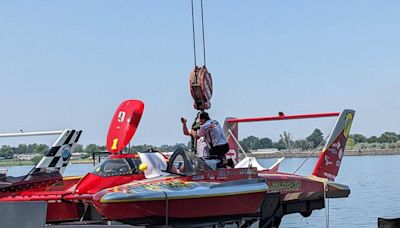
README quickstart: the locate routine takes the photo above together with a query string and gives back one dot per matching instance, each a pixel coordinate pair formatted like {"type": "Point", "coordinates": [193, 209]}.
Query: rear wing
{"type": "Point", "coordinates": [57, 158]}
{"type": "Point", "coordinates": [331, 156]}
{"type": "Point", "coordinates": [231, 128]}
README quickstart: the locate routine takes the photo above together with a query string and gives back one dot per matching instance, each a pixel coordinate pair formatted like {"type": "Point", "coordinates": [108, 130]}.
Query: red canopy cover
{"type": "Point", "coordinates": [124, 124]}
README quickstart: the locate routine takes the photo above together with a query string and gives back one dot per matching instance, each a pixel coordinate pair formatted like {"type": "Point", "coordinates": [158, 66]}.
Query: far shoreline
{"type": "Point", "coordinates": [303, 154]}
{"type": "Point", "coordinates": [262, 154]}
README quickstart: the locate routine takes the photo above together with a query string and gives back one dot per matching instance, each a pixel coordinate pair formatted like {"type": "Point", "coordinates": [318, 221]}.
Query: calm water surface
{"type": "Point", "coordinates": [374, 182]}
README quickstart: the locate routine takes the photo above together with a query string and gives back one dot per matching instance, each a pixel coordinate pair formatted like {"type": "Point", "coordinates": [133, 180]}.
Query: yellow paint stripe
{"type": "Point", "coordinates": [315, 178]}
{"type": "Point", "coordinates": [72, 177]}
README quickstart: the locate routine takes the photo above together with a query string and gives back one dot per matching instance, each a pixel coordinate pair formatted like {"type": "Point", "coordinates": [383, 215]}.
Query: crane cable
{"type": "Point", "coordinates": [194, 37]}
{"type": "Point", "coordinates": [202, 29]}
{"type": "Point", "coordinates": [194, 34]}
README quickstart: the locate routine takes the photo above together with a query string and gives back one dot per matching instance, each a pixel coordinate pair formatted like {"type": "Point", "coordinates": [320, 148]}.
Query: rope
{"type": "Point", "coordinates": [326, 202]}
{"type": "Point", "coordinates": [312, 152]}
{"type": "Point", "coordinates": [202, 27]}
{"type": "Point", "coordinates": [194, 36]}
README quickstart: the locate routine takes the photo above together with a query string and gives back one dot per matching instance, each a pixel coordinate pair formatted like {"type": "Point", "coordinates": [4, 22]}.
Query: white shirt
{"type": "Point", "coordinates": [202, 148]}
{"type": "Point", "coordinates": [212, 132]}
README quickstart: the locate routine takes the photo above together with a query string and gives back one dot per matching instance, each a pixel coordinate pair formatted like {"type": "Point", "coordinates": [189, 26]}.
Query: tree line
{"type": "Point", "coordinates": [387, 140]}
{"type": "Point", "coordinates": [92, 148]}
{"type": "Point", "coordinates": [7, 151]}
{"type": "Point", "coordinates": [285, 142]}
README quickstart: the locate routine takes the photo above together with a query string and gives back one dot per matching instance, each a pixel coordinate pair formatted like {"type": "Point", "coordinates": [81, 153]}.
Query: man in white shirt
{"type": "Point", "coordinates": [198, 146]}
{"type": "Point", "coordinates": [214, 136]}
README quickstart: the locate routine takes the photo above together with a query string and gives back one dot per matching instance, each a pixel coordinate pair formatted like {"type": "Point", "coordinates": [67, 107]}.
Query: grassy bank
{"type": "Point", "coordinates": [5, 163]}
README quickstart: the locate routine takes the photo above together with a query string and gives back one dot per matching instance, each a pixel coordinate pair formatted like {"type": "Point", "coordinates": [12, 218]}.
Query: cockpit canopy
{"type": "Point", "coordinates": [153, 161]}
{"type": "Point", "coordinates": [117, 167]}
{"type": "Point", "coordinates": [186, 163]}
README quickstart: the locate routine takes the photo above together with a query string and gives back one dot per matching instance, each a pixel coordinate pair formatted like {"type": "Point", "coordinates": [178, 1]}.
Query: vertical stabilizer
{"type": "Point", "coordinates": [58, 156]}
{"type": "Point", "coordinates": [231, 131]}
{"type": "Point", "coordinates": [331, 157]}
{"type": "Point", "coordinates": [124, 125]}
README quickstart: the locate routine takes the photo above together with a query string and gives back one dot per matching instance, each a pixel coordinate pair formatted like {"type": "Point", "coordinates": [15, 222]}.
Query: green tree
{"type": "Point", "coordinates": [278, 145]}
{"type": "Point", "coordinates": [37, 159]}
{"type": "Point", "coordinates": [388, 137]}
{"type": "Point", "coordinates": [30, 148]}
{"type": "Point", "coordinates": [41, 149]}
{"type": "Point", "coordinates": [79, 148]}
{"type": "Point", "coordinates": [264, 143]}
{"type": "Point", "coordinates": [91, 148]}
{"type": "Point", "coordinates": [21, 149]}
{"type": "Point", "coordinates": [6, 152]}
{"type": "Point", "coordinates": [286, 139]}
{"type": "Point", "coordinates": [358, 138]}
{"type": "Point", "coordinates": [372, 139]}
{"type": "Point", "coordinates": [250, 142]}
{"type": "Point", "coordinates": [165, 148]}
{"type": "Point", "coordinates": [303, 144]}
{"type": "Point", "coordinates": [315, 138]}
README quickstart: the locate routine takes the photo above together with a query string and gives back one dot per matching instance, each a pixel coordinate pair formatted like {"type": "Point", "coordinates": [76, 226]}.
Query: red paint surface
{"type": "Point", "coordinates": [184, 208]}
{"type": "Point", "coordinates": [284, 117]}
{"type": "Point", "coordinates": [329, 161]}
{"type": "Point", "coordinates": [124, 124]}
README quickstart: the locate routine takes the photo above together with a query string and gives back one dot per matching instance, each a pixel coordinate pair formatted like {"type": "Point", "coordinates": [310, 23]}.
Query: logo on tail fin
{"type": "Point", "coordinates": [347, 124]}
{"type": "Point", "coordinates": [330, 159]}
{"type": "Point", "coordinates": [66, 154]}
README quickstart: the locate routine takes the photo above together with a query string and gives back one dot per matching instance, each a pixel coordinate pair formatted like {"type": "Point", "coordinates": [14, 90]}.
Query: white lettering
{"type": "Point", "coordinates": [121, 116]}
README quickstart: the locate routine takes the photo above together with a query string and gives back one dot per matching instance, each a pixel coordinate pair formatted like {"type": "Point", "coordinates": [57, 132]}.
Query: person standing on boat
{"type": "Point", "coordinates": [198, 146]}
{"type": "Point", "coordinates": [214, 135]}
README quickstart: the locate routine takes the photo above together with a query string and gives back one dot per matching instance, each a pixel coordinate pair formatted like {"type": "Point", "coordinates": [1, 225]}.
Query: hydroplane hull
{"type": "Point", "coordinates": [228, 193]}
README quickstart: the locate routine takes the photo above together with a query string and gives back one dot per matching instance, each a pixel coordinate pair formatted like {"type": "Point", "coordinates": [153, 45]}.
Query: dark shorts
{"type": "Point", "coordinates": [219, 150]}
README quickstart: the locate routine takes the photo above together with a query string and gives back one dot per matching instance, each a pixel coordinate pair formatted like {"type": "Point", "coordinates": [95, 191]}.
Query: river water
{"type": "Point", "coordinates": [374, 182]}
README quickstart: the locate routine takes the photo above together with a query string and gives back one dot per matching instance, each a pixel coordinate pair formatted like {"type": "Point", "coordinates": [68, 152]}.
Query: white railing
{"type": "Point", "coordinates": [38, 133]}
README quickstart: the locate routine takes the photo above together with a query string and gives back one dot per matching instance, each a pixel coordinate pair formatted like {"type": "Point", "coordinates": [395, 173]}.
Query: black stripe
{"type": "Point", "coordinates": [69, 137]}
{"type": "Point", "coordinates": [54, 162]}
{"type": "Point", "coordinates": [65, 164]}
{"type": "Point", "coordinates": [36, 170]}
{"type": "Point", "coordinates": [52, 151]}
{"type": "Point", "coordinates": [79, 135]}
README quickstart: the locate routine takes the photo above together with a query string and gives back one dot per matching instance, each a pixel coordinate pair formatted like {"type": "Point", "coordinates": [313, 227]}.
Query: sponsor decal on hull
{"type": "Point", "coordinates": [284, 186]}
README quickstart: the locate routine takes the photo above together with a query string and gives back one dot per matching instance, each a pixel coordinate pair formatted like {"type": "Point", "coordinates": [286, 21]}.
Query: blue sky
{"type": "Point", "coordinates": [68, 64]}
